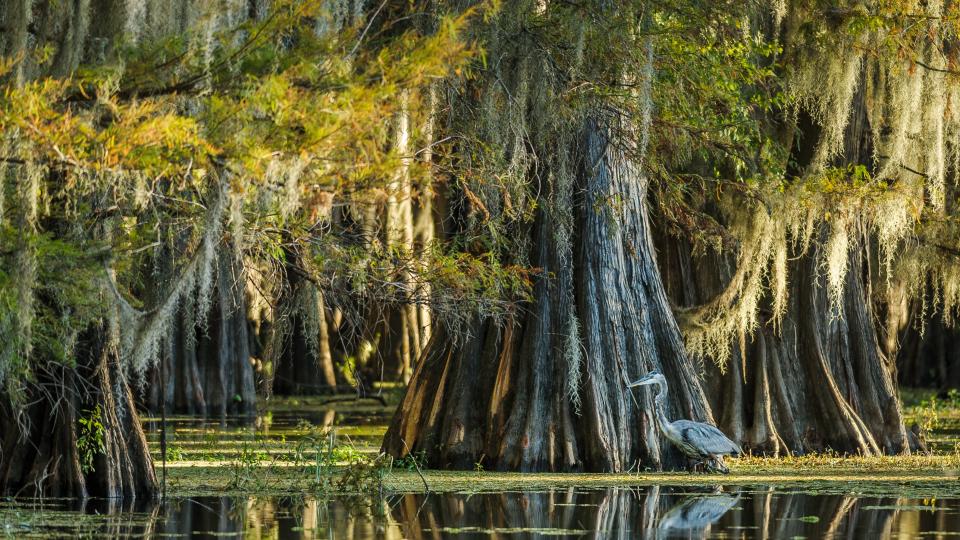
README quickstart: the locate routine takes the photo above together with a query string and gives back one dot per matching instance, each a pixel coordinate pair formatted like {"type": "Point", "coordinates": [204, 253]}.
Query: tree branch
{"type": "Point", "coordinates": [938, 70]}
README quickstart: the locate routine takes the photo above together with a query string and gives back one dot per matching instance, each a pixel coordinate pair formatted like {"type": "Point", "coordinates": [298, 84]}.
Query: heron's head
{"type": "Point", "coordinates": [654, 377]}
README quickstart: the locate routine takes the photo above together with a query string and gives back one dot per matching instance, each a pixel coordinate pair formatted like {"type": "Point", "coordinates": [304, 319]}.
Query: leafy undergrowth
{"type": "Point", "coordinates": [936, 415]}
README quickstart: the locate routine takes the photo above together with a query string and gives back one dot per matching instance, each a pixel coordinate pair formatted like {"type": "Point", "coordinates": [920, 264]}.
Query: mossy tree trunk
{"type": "Point", "coordinates": [45, 449]}
{"type": "Point", "coordinates": [819, 379]}
{"type": "Point", "coordinates": [502, 396]}
{"type": "Point", "coordinates": [75, 430]}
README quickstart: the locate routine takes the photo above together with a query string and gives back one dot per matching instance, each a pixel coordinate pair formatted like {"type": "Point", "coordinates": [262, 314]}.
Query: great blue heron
{"type": "Point", "coordinates": [704, 443]}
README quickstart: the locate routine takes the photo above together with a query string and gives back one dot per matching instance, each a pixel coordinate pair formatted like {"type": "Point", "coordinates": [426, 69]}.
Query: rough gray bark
{"type": "Point", "coordinates": [500, 397]}
{"type": "Point", "coordinates": [626, 318]}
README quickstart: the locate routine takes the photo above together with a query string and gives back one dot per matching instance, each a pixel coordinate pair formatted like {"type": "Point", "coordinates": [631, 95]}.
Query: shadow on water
{"type": "Point", "coordinates": [649, 512]}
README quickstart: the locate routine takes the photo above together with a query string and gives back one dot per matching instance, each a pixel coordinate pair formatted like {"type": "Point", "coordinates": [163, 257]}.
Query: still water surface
{"type": "Point", "coordinates": [647, 512]}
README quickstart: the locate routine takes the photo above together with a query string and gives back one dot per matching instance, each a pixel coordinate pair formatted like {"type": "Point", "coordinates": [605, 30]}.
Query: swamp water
{"type": "Point", "coordinates": [623, 512]}
{"type": "Point", "coordinates": [475, 504]}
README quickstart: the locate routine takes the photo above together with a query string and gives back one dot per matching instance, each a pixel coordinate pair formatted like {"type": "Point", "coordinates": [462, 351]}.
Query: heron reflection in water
{"type": "Point", "coordinates": [702, 442]}
{"type": "Point", "coordinates": [695, 514]}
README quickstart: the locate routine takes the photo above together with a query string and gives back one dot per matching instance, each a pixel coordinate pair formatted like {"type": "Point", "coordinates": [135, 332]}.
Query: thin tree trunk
{"type": "Point", "coordinates": [424, 225]}
{"type": "Point", "coordinates": [208, 366]}
{"type": "Point", "coordinates": [324, 355]}
{"type": "Point", "coordinates": [403, 347]}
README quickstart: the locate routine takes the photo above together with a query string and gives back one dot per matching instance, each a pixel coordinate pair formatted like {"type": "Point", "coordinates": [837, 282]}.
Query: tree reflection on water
{"type": "Point", "coordinates": [616, 512]}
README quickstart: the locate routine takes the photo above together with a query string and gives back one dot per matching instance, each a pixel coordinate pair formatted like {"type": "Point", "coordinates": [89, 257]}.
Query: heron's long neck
{"type": "Point", "coordinates": [660, 406]}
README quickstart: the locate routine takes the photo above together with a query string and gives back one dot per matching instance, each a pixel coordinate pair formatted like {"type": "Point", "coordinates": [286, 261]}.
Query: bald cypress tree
{"type": "Point", "coordinates": [794, 188]}
{"type": "Point", "coordinates": [162, 159]}
{"type": "Point", "coordinates": [544, 387]}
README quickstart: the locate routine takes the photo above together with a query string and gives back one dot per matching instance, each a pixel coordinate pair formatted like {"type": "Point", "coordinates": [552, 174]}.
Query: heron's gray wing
{"type": "Point", "coordinates": [707, 438]}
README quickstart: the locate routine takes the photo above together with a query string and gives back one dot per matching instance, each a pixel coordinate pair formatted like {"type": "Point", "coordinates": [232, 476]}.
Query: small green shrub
{"type": "Point", "coordinates": [90, 438]}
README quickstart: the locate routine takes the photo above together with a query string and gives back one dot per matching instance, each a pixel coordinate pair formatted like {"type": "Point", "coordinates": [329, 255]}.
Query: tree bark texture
{"type": "Point", "coordinates": [40, 449]}
{"type": "Point", "coordinates": [501, 396]}
{"type": "Point", "coordinates": [816, 382]}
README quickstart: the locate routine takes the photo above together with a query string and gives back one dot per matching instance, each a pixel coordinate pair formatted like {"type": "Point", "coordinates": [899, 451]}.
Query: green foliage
{"type": "Point", "coordinates": [929, 413]}
{"type": "Point", "coordinates": [174, 452]}
{"type": "Point", "coordinates": [134, 158]}
{"type": "Point", "coordinates": [364, 474]}
{"type": "Point", "coordinates": [90, 438]}
{"type": "Point", "coordinates": [412, 461]}
{"type": "Point", "coordinates": [247, 470]}
{"type": "Point", "coordinates": [321, 443]}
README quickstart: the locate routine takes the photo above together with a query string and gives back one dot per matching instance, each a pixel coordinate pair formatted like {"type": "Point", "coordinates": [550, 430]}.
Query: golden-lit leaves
{"type": "Point", "coordinates": [296, 118]}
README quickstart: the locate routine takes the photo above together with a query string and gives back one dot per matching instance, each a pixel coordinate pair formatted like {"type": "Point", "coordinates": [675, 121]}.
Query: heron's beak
{"type": "Point", "coordinates": [641, 382]}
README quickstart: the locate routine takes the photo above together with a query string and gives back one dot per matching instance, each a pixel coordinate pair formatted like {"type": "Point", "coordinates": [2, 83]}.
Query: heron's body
{"type": "Point", "coordinates": [698, 440]}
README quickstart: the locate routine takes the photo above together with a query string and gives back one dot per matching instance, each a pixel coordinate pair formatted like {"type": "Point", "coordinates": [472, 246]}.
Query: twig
{"type": "Point", "coordinates": [163, 431]}
{"type": "Point", "coordinates": [365, 30]}
{"type": "Point", "coordinates": [415, 465]}
{"type": "Point", "coordinates": [938, 70]}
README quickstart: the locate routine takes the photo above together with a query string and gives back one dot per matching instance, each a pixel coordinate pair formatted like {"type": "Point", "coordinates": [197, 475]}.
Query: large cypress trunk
{"type": "Point", "coordinates": [763, 401]}
{"type": "Point", "coordinates": [816, 351]}
{"type": "Point", "coordinates": [825, 350]}
{"type": "Point", "coordinates": [510, 398]}
{"type": "Point", "coordinates": [46, 451]}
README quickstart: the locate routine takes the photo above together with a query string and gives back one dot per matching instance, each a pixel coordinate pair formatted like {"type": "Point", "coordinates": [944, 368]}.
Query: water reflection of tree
{"type": "Point", "coordinates": [631, 513]}
{"type": "Point", "coordinates": [82, 518]}
{"type": "Point", "coordinates": [292, 517]}
{"type": "Point", "coordinates": [613, 512]}
{"type": "Point", "coordinates": [641, 512]}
